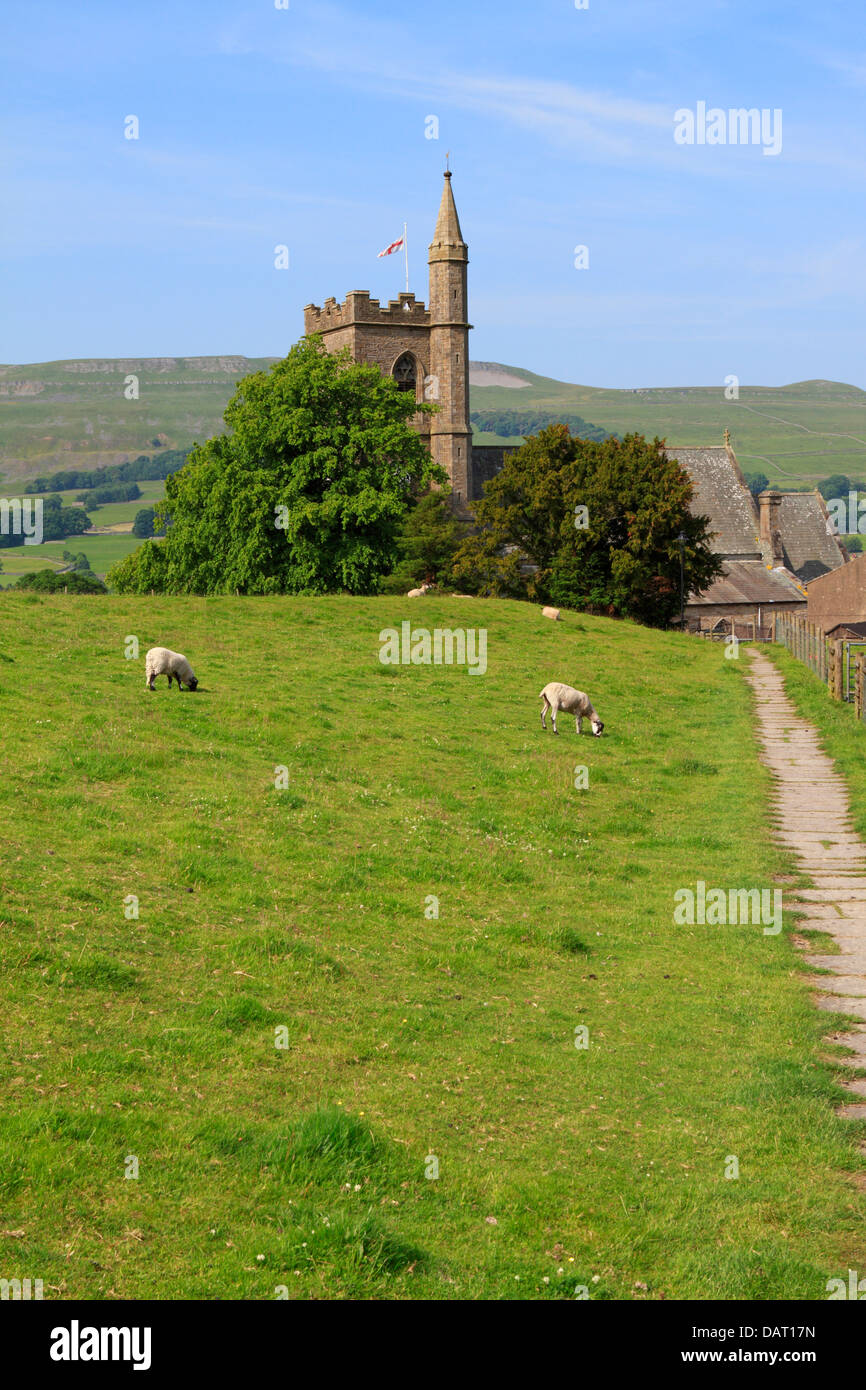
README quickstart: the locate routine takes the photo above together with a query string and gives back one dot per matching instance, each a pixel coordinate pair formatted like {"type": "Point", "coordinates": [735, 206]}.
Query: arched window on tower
{"type": "Point", "coordinates": [405, 374]}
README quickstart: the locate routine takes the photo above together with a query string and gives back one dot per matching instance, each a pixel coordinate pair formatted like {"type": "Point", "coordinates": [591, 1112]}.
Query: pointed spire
{"type": "Point", "coordinates": [448, 237]}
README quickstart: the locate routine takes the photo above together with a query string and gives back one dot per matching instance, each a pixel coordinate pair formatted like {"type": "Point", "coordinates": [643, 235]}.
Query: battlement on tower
{"type": "Point", "coordinates": [359, 308]}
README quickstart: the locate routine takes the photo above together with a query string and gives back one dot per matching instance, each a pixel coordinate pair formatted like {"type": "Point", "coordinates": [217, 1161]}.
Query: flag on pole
{"type": "Point", "coordinates": [389, 250]}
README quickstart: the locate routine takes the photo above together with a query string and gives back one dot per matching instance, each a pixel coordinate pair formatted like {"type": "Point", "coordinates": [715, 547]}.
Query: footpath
{"type": "Point", "coordinates": [812, 819]}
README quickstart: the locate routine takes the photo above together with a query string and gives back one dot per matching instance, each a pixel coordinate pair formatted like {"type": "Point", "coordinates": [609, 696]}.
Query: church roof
{"type": "Point", "coordinates": [448, 237]}
{"type": "Point", "coordinates": [721, 494]}
{"type": "Point", "coordinates": [809, 549]}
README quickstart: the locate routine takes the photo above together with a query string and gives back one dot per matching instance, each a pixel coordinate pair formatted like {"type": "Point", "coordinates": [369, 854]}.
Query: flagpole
{"type": "Point", "coordinates": [406, 254]}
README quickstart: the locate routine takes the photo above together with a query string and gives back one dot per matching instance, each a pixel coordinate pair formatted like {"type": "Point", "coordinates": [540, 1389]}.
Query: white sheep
{"type": "Point", "coordinates": [418, 593]}
{"type": "Point", "coordinates": [550, 613]}
{"type": "Point", "coordinates": [162, 662]}
{"type": "Point", "coordinates": [557, 696]}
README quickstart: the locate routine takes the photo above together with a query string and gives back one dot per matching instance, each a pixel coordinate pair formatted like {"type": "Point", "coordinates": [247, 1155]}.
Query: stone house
{"type": "Point", "coordinates": [771, 548]}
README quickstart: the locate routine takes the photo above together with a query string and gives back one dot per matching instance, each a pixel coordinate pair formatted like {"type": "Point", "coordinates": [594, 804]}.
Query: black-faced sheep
{"type": "Point", "coordinates": [160, 661]}
{"type": "Point", "coordinates": [557, 696]}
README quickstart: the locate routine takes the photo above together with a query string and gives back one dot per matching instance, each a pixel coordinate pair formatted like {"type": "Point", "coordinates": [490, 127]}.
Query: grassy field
{"type": "Point", "coordinates": [117, 513]}
{"type": "Point", "coordinates": [101, 551]}
{"type": "Point", "coordinates": [74, 414]}
{"type": "Point", "coordinates": [416, 1044]}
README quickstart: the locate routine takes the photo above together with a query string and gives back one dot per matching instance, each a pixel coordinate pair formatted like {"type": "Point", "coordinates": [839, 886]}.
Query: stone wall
{"type": "Point", "coordinates": [487, 460]}
{"type": "Point", "coordinates": [740, 612]}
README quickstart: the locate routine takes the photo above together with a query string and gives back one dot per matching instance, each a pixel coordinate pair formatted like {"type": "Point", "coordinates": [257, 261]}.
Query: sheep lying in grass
{"type": "Point", "coordinates": [557, 696]}
{"type": "Point", "coordinates": [419, 593]}
{"type": "Point", "coordinates": [162, 662]}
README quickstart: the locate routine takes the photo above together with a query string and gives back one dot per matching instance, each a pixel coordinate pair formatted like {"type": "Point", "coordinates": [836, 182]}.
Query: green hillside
{"type": "Point", "coordinates": [794, 434]}
{"type": "Point", "coordinates": [74, 414]}
{"type": "Point", "coordinates": [431, 909]}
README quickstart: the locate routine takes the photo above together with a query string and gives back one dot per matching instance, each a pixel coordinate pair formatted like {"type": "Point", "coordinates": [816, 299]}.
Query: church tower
{"type": "Point", "coordinates": [450, 430]}
{"type": "Point", "coordinates": [424, 348]}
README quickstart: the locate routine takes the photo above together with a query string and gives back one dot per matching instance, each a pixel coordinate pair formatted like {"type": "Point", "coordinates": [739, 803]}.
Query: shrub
{"type": "Point", "coordinates": [50, 582]}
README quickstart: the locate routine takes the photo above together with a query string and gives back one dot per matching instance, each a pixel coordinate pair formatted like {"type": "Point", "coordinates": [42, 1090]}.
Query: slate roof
{"type": "Point", "coordinates": [853, 630]}
{"type": "Point", "coordinates": [721, 494]}
{"type": "Point", "coordinates": [749, 581]}
{"type": "Point", "coordinates": [809, 550]}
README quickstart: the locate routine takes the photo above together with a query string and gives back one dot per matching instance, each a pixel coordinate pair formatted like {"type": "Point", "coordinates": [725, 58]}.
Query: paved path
{"type": "Point", "coordinates": [812, 820]}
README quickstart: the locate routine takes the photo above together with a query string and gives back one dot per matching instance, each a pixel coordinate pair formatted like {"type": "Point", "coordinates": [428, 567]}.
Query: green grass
{"type": "Point", "coordinates": [74, 414]}
{"type": "Point", "coordinates": [407, 1040]}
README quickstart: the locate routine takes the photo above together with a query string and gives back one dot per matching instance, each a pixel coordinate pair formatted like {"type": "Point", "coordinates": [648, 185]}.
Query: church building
{"type": "Point", "coordinates": [424, 348]}
{"type": "Point", "coordinates": [771, 549]}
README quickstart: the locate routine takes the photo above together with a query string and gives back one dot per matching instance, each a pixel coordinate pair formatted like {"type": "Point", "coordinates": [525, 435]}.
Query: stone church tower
{"type": "Point", "coordinates": [426, 350]}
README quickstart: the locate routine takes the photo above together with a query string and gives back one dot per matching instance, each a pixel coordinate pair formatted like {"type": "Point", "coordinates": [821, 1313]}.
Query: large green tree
{"type": "Point", "coordinates": [590, 525]}
{"type": "Point", "coordinates": [304, 496]}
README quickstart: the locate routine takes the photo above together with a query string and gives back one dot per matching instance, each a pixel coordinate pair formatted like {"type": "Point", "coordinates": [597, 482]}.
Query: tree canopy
{"type": "Point", "coordinates": [143, 526]}
{"type": "Point", "coordinates": [836, 486]}
{"type": "Point", "coordinates": [756, 483]}
{"type": "Point", "coordinates": [58, 521]}
{"type": "Point", "coordinates": [304, 496]}
{"type": "Point", "coordinates": [58, 582]}
{"type": "Point", "coordinates": [528, 422]}
{"type": "Point", "coordinates": [590, 525]}
{"type": "Point", "coordinates": [146, 466]}
{"type": "Point", "coordinates": [428, 539]}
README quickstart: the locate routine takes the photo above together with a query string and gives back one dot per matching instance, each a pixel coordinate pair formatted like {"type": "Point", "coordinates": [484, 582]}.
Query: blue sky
{"type": "Point", "coordinates": [306, 127]}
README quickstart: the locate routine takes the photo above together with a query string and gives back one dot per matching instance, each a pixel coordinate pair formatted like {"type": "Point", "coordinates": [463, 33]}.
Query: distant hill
{"type": "Point", "coordinates": [74, 414]}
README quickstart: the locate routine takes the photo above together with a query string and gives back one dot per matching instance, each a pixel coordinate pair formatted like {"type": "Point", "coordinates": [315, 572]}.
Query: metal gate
{"type": "Point", "coordinates": [849, 671]}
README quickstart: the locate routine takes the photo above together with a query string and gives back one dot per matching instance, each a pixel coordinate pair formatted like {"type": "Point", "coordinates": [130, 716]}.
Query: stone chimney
{"type": "Point", "coordinates": [769, 503]}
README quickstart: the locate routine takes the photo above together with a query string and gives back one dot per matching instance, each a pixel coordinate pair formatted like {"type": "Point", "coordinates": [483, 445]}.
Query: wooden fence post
{"type": "Point", "coordinates": [837, 671]}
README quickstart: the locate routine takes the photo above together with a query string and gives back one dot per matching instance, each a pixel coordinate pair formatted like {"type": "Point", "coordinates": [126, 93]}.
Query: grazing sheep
{"type": "Point", "coordinates": [550, 613]}
{"type": "Point", "coordinates": [162, 662]}
{"type": "Point", "coordinates": [418, 593]}
{"type": "Point", "coordinates": [556, 696]}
